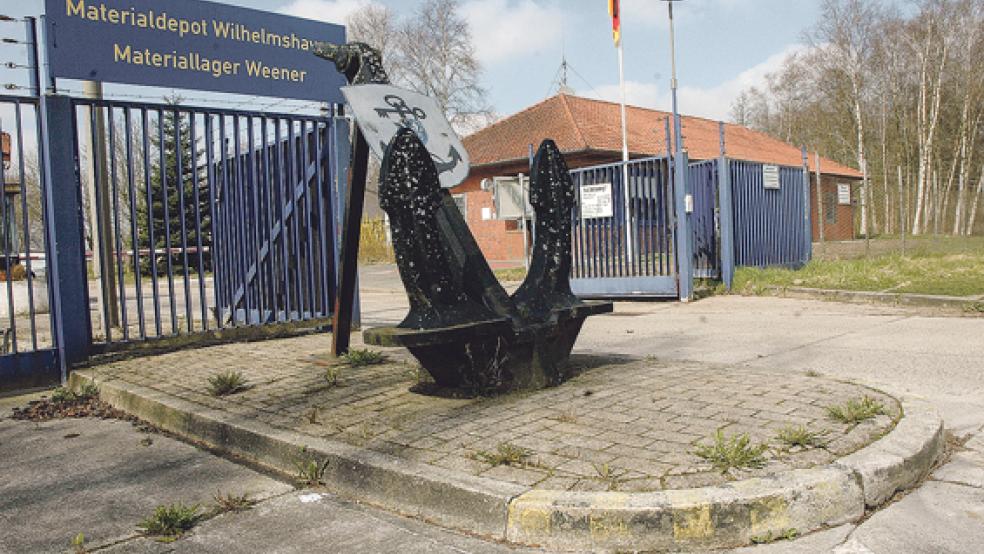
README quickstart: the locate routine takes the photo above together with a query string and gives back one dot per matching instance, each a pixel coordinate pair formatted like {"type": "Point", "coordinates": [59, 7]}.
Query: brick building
{"type": "Point", "coordinates": [588, 132]}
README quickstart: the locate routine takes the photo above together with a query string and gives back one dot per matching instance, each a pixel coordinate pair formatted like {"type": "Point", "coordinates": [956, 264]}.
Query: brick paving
{"type": "Point", "coordinates": [621, 424]}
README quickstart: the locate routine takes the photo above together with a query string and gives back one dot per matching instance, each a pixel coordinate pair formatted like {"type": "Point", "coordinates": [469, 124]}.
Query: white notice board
{"type": "Point", "coordinates": [596, 201]}
{"type": "Point", "coordinates": [843, 194]}
{"type": "Point", "coordinates": [770, 176]}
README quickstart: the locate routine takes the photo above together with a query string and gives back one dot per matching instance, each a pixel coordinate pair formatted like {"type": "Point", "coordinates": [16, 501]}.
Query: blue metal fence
{"type": "Point", "coordinates": [735, 221]}
{"type": "Point", "coordinates": [769, 226]}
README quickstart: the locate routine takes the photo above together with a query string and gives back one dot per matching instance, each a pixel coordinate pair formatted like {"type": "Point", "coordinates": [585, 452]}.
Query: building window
{"type": "Point", "coordinates": [461, 201]}
{"type": "Point", "coordinates": [830, 208]}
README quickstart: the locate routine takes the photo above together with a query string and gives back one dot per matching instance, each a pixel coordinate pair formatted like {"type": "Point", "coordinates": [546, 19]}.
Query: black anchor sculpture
{"type": "Point", "coordinates": [463, 327]}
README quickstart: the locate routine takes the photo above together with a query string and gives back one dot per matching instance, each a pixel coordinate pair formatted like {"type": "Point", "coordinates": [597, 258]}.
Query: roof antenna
{"type": "Point", "coordinates": [563, 87]}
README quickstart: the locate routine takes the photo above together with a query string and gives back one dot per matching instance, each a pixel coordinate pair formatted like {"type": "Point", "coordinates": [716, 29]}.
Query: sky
{"type": "Point", "coordinates": [723, 46]}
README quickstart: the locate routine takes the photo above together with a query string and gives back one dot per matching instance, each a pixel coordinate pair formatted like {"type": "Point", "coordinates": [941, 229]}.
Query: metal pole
{"type": "Point", "coordinates": [522, 222]}
{"type": "Point", "coordinates": [625, 162]}
{"type": "Point", "coordinates": [684, 231]}
{"type": "Point", "coordinates": [97, 171]}
{"type": "Point", "coordinates": [33, 59]}
{"type": "Point", "coordinates": [677, 125]}
{"type": "Point", "coordinates": [727, 216]}
{"type": "Point", "coordinates": [807, 227]}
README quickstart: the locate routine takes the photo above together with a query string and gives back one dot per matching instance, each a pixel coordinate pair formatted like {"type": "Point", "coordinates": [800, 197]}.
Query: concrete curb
{"type": "Point", "coordinates": [710, 517]}
{"type": "Point", "coordinates": [454, 500]}
{"type": "Point", "coordinates": [900, 459]}
{"type": "Point", "coordinates": [866, 297]}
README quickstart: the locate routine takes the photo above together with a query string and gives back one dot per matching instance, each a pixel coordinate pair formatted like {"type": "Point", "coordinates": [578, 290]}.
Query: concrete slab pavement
{"type": "Point", "coordinates": [310, 521]}
{"type": "Point", "coordinates": [102, 477]}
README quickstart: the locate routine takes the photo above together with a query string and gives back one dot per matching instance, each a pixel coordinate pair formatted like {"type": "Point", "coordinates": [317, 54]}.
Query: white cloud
{"type": "Point", "coordinates": [711, 102]}
{"type": "Point", "coordinates": [503, 30]}
{"type": "Point", "coordinates": [331, 11]}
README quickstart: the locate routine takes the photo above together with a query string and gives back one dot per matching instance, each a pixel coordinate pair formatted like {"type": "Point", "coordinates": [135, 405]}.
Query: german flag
{"type": "Point", "coordinates": [613, 10]}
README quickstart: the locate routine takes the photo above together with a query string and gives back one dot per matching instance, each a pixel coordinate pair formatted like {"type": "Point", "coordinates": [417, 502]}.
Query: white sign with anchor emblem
{"type": "Point", "coordinates": [381, 110]}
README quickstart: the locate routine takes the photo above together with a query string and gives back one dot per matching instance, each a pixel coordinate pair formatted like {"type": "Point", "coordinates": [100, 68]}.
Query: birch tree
{"type": "Point", "coordinates": [847, 30]}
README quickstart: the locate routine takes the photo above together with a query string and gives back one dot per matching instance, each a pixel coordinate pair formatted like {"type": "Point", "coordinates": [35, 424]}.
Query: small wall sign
{"type": "Point", "coordinates": [844, 194]}
{"type": "Point", "coordinates": [596, 201]}
{"type": "Point", "coordinates": [770, 176]}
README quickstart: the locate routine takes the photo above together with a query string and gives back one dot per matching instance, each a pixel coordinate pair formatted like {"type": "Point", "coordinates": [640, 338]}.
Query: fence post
{"type": "Point", "coordinates": [727, 216]}
{"type": "Point", "coordinates": [65, 246]}
{"type": "Point", "coordinates": [807, 227]}
{"type": "Point", "coordinates": [684, 229]}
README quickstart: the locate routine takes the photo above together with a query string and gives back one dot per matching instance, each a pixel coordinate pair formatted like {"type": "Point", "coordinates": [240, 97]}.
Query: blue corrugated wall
{"type": "Point", "coordinates": [770, 225]}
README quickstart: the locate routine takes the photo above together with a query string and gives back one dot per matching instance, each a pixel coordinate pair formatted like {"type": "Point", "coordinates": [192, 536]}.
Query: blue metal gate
{"type": "Point", "coordinates": [617, 255]}
{"type": "Point", "coordinates": [702, 180]}
{"type": "Point", "coordinates": [28, 355]}
{"type": "Point", "coordinates": [218, 217]}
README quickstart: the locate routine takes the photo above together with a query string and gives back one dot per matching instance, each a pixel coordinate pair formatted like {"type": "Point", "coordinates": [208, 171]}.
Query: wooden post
{"type": "Point", "coordinates": [355, 194]}
{"type": "Point", "coordinates": [902, 210]}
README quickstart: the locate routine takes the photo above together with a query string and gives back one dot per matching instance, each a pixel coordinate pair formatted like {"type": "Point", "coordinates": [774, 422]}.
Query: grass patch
{"type": "Point", "coordinates": [232, 503]}
{"type": "Point", "coordinates": [734, 452]}
{"type": "Point", "coordinates": [800, 436]}
{"type": "Point", "coordinates": [310, 471]}
{"type": "Point", "coordinates": [332, 373]}
{"type": "Point", "coordinates": [609, 475]}
{"type": "Point", "coordinates": [226, 383]}
{"type": "Point", "coordinates": [505, 454]}
{"type": "Point", "coordinates": [950, 267]}
{"type": "Point", "coordinates": [360, 357]}
{"type": "Point", "coordinates": [171, 521]}
{"type": "Point", "coordinates": [78, 544]}
{"type": "Point", "coordinates": [510, 274]}
{"type": "Point", "coordinates": [784, 535]}
{"type": "Point", "coordinates": [63, 395]}
{"type": "Point", "coordinates": [856, 410]}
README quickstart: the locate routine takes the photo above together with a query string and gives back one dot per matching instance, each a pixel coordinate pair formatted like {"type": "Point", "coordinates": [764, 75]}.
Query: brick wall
{"type": "Point", "coordinates": [839, 222]}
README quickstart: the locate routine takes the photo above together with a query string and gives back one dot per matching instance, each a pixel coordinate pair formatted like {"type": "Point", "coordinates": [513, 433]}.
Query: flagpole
{"type": "Point", "coordinates": [625, 159]}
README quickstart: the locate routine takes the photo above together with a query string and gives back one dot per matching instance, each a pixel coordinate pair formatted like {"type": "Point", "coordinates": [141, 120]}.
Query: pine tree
{"type": "Point", "coordinates": [179, 193]}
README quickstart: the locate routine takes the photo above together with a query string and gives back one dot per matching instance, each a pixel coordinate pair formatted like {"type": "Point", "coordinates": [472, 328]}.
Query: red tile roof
{"type": "Point", "coordinates": [584, 125]}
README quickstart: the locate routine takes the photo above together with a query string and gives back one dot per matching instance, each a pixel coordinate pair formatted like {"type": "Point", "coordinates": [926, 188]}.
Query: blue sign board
{"type": "Point", "coordinates": [191, 44]}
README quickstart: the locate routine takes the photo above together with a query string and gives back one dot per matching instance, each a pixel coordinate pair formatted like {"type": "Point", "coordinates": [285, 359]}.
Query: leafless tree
{"type": "Point", "coordinates": [906, 84]}
{"type": "Point", "coordinates": [439, 59]}
{"type": "Point", "coordinates": [377, 26]}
